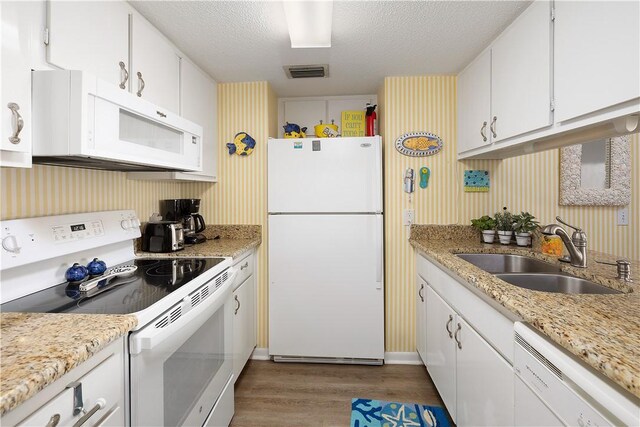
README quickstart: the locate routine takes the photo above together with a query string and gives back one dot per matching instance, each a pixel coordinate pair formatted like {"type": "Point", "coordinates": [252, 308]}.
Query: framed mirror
{"type": "Point", "coordinates": [596, 173]}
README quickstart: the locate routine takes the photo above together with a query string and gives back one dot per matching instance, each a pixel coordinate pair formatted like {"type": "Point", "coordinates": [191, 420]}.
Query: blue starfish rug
{"type": "Point", "coordinates": [377, 413]}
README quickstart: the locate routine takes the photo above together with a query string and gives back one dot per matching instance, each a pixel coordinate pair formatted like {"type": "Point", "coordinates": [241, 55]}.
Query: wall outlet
{"type": "Point", "coordinates": [623, 215]}
{"type": "Point", "coordinates": [408, 216]}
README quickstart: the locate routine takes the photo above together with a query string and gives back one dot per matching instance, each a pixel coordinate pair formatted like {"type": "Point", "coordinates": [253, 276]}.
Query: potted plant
{"type": "Point", "coordinates": [504, 225]}
{"type": "Point", "coordinates": [524, 223]}
{"type": "Point", "coordinates": [487, 226]}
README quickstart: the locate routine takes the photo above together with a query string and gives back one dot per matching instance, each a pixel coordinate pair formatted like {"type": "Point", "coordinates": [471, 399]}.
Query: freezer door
{"type": "Point", "coordinates": [325, 175]}
{"type": "Point", "coordinates": [326, 296]}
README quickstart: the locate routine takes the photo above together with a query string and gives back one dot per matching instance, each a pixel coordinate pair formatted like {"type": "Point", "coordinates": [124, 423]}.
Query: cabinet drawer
{"type": "Point", "coordinates": [97, 385]}
{"type": "Point", "coordinates": [245, 268]}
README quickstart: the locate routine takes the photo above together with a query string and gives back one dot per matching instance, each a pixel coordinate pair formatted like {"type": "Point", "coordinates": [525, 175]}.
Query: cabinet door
{"type": "Point", "coordinates": [521, 74]}
{"type": "Point", "coordinates": [485, 386]}
{"type": "Point", "coordinates": [421, 319]}
{"type": "Point", "coordinates": [15, 84]}
{"type": "Point", "coordinates": [90, 36]}
{"type": "Point", "coordinates": [155, 65]}
{"type": "Point", "coordinates": [596, 57]}
{"type": "Point", "coordinates": [441, 350]}
{"type": "Point", "coordinates": [474, 104]}
{"type": "Point", "coordinates": [244, 324]}
{"type": "Point", "coordinates": [305, 113]}
{"type": "Point", "coordinates": [198, 99]}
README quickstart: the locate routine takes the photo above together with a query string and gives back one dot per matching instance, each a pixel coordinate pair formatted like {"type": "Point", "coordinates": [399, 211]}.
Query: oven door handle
{"type": "Point", "coordinates": [151, 337]}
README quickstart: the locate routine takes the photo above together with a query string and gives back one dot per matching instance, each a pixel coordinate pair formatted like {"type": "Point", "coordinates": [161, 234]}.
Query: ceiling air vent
{"type": "Point", "coordinates": [306, 71]}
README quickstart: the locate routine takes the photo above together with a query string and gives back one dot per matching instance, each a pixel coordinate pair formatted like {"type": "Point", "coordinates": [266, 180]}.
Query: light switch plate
{"type": "Point", "coordinates": [408, 216]}
{"type": "Point", "coordinates": [623, 215]}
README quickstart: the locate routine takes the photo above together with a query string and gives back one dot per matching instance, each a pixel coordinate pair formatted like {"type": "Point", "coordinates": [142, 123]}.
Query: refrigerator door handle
{"type": "Point", "coordinates": [377, 195]}
{"type": "Point", "coordinates": [379, 253]}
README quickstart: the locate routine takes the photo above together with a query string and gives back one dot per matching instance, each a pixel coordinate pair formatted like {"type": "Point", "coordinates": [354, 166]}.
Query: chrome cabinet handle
{"type": "Point", "coordinates": [483, 131]}
{"type": "Point", "coordinates": [238, 306]}
{"type": "Point", "coordinates": [245, 265]}
{"type": "Point", "coordinates": [420, 292]}
{"type": "Point", "coordinates": [53, 421]}
{"type": "Point", "coordinates": [16, 123]}
{"type": "Point", "coordinates": [124, 75]}
{"type": "Point", "coordinates": [455, 336]}
{"type": "Point", "coordinates": [100, 403]}
{"type": "Point", "coordinates": [493, 126]}
{"type": "Point", "coordinates": [78, 402]}
{"type": "Point", "coordinates": [447, 326]}
{"type": "Point", "coordinates": [140, 84]}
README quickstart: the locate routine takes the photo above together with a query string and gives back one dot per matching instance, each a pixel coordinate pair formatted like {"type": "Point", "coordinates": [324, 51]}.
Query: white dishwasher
{"type": "Point", "coordinates": [553, 389]}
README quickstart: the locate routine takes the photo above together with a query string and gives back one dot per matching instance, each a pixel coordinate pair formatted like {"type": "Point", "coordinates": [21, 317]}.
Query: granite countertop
{"type": "Point", "coordinates": [38, 348]}
{"type": "Point", "coordinates": [601, 330]}
{"type": "Point", "coordinates": [222, 240]}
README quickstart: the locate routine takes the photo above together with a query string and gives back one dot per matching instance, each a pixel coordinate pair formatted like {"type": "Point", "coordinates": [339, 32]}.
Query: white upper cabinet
{"type": "Point", "coordinates": [90, 36]}
{"type": "Point", "coordinates": [155, 65]}
{"type": "Point", "coordinates": [521, 75]}
{"type": "Point", "coordinates": [15, 85]}
{"type": "Point", "coordinates": [597, 56]}
{"type": "Point", "coordinates": [474, 104]}
{"type": "Point", "coordinates": [199, 104]}
{"type": "Point", "coordinates": [563, 72]}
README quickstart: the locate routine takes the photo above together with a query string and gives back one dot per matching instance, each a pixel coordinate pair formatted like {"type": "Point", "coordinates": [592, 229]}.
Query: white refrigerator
{"type": "Point", "coordinates": [326, 248]}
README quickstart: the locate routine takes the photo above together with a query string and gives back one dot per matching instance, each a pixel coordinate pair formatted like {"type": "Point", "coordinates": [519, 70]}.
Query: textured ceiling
{"type": "Point", "coordinates": [248, 41]}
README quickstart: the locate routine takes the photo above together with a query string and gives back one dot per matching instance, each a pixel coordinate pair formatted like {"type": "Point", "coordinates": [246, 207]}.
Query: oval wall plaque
{"type": "Point", "coordinates": [419, 144]}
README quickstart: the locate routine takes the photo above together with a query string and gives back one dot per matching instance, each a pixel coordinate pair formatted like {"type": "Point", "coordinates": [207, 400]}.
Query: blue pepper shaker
{"type": "Point", "coordinates": [76, 273]}
{"type": "Point", "coordinates": [96, 267]}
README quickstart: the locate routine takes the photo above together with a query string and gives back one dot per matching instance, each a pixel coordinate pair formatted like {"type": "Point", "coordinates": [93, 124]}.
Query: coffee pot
{"type": "Point", "coordinates": [185, 211]}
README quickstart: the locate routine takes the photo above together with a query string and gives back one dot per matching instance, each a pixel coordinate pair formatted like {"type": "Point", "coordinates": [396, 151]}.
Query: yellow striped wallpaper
{"type": "Point", "coordinates": [240, 196]}
{"type": "Point", "coordinates": [428, 103]}
{"type": "Point", "coordinates": [50, 190]}
{"type": "Point", "coordinates": [421, 103]}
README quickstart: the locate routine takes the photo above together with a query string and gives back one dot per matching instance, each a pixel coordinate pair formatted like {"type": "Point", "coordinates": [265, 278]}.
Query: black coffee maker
{"type": "Point", "coordinates": [185, 211]}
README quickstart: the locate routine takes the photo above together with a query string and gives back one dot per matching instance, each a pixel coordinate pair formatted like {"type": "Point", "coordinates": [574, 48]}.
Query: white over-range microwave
{"type": "Point", "coordinates": [81, 121]}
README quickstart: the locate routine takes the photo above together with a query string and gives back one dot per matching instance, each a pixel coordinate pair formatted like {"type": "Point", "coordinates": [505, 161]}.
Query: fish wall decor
{"type": "Point", "coordinates": [242, 145]}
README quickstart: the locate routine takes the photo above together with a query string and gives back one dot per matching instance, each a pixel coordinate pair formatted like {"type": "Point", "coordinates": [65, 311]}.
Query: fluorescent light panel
{"type": "Point", "coordinates": [309, 23]}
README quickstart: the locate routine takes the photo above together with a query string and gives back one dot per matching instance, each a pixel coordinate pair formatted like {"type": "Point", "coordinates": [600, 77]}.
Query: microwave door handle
{"type": "Point", "coordinates": [150, 337]}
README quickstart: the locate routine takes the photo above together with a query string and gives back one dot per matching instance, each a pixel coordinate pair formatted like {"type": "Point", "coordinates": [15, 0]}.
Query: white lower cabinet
{"type": "Point", "coordinates": [475, 381]}
{"type": "Point", "coordinates": [441, 349]}
{"type": "Point", "coordinates": [484, 381]}
{"type": "Point", "coordinates": [244, 315]}
{"type": "Point", "coordinates": [421, 319]}
{"type": "Point", "coordinates": [91, 394]}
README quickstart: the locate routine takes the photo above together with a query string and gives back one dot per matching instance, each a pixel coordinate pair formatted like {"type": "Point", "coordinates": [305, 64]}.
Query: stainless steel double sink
{"type": "Point", "coordinates": [531, 273]}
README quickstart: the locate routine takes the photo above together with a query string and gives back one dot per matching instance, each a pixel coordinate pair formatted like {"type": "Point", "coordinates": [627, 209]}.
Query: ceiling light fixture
{"type": "Point", "coordinates": [309, 22]}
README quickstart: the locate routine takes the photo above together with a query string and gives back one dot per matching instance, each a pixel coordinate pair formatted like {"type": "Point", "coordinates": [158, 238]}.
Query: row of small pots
{"type": "Point", "coordinates": [522, 239]}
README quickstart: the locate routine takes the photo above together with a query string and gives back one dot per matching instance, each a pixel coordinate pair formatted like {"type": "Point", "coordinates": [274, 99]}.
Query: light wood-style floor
{"type": "Point", "coordinates": [296, 394]}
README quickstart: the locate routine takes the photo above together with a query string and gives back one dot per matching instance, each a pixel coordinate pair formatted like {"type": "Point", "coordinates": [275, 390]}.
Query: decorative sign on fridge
{"type": "Point", "coordinates": [419, 144]}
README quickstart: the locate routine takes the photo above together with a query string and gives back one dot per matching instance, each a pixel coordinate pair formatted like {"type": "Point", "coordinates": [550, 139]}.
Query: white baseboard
{"type": "Point", "coordinates": [402, 358]}
{"type": "Point", "coordinates": [390, 357]}
{"type": "Point", "coordinates": [260, 353]}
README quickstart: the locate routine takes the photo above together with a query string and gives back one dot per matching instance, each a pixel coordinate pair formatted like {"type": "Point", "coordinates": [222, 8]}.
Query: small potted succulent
{"type": "Point", "coordinates": [487, 226]}
{"type": "Point", "coordinates": [504, 225]}
{"type": "Point", "coordinates": [524, 224]}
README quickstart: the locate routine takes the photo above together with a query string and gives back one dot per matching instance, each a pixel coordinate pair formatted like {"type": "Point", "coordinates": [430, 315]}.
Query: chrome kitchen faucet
{"type": "Point", "coordinates": [576, 245]}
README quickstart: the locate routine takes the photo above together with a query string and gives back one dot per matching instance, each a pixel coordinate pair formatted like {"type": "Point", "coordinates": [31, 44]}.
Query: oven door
{"type": "Point", "coordinates": [178, 370]}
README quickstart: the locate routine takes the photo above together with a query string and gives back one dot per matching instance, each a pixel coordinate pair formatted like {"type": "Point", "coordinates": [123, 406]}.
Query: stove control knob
{"type": "Point", "coordinates": [10, 244]}
{"type": "Point", "coordinates": [125, 224]}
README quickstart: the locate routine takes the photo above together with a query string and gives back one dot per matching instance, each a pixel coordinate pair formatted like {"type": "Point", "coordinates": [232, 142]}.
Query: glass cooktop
{"type": "Point", "coordinates": [153, 280]}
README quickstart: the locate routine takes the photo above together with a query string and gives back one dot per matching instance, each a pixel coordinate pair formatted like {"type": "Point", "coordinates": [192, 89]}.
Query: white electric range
{"type": "Point", "coordinates": [180, 353]}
